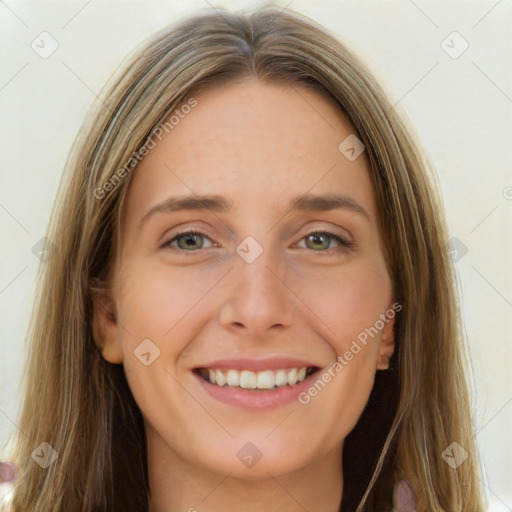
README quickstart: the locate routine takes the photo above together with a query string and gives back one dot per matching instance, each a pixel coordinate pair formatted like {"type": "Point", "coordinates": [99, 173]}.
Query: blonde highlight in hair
{"type": "Point", "coordinates": [82, 406]}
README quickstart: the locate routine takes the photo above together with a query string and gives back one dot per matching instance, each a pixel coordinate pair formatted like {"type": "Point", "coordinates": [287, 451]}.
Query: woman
{"type": "Point", "coordinates": [249, 305]}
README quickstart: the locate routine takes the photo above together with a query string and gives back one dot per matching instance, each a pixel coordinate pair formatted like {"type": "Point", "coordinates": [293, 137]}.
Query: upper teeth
{"type": "Point", "coordinates": [246, 379]}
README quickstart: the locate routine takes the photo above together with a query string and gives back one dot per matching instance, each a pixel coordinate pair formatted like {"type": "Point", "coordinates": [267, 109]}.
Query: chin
{"type": "Point", "coordinates": [259, 459]}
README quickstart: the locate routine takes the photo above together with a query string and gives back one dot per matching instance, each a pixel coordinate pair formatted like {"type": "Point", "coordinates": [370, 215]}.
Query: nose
{"type": "Point", "coordinates": [258, 300]}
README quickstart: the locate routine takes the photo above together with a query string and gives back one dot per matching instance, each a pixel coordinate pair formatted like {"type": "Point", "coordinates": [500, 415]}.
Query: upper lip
{"type": "Point", "coordinates": [269, 363]}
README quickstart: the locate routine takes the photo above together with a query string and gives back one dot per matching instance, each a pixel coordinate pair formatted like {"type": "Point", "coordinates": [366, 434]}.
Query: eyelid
{"type": "Point", "coordinates": [187, 231]}
{"type": "Point", "coordinates": [345, 243]}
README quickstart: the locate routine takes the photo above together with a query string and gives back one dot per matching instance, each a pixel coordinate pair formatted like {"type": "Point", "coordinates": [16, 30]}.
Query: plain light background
{"type": "Point", "coordinates": [459, 105]}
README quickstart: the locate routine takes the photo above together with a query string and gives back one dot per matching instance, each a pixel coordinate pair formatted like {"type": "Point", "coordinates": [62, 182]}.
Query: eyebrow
{"type": "Point", "coordinates": [215, 203]}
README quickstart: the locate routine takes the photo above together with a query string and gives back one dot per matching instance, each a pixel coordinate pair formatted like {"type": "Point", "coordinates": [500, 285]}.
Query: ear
{"type": "Point", "coordinates": [105, 328]}
{"type": "Point", "coordinates": [387, 342]}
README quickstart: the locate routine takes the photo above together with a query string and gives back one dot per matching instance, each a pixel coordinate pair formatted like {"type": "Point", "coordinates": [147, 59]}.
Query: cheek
{"type": "Point", "coordinates": [348, 300]}
{"type": "Point", "coordinates": [163, 305]}
{"type": "Point", "coordinates": [155, 299]}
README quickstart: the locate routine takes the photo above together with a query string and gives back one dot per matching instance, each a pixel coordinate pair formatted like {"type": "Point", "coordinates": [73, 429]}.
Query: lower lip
{"type": "Point", "coordinates": [249, 399]}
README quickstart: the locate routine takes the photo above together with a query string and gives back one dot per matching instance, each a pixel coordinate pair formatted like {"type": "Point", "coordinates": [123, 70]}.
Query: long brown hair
{"type": "Point", "coordinates": [82, 406]}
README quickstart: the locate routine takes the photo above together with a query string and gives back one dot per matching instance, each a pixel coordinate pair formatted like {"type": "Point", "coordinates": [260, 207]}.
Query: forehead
{"type": "Point", "coordinates": [250, 141]}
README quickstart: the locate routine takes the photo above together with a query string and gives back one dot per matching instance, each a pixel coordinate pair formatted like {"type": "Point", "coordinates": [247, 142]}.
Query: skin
{"type": "Point", "coordinates": [257, 145]}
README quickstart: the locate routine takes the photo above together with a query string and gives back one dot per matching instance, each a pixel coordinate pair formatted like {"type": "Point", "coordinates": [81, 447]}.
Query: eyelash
{"type": "Point", "coordinates": [344, 244]}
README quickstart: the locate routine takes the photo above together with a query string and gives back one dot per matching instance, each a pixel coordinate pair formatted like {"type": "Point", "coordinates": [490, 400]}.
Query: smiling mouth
{"type": "Point", "coordinates": [265, 380]}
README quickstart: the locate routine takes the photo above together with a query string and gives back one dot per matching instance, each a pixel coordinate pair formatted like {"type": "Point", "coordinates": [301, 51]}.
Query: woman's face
{"type": "Point", "coordinates": [258, 296]}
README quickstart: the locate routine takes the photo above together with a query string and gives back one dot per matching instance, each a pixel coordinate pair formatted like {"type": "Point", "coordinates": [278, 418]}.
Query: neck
{"type": "Point", "coordinates": [178, 485]}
